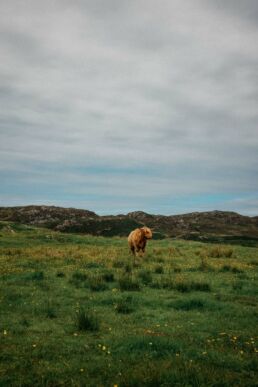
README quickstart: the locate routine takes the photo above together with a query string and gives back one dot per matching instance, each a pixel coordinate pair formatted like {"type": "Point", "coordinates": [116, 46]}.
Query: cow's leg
{"type": "Point", "coordinates": [132, 250]}
{"type": "Point", "coordinates": [142, 248]}
{"type": "Point", "coordinates": [138, 251]}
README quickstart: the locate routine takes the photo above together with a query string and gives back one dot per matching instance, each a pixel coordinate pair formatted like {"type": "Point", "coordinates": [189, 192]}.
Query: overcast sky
{"type": "Point", "coordinates": [123, 105]}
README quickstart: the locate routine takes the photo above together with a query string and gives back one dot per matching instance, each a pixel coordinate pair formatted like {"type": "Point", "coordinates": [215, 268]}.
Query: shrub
{"type": "Point", "coordinates": [238, 285]}
{"type": "Point", "coordinates": [118, 264]}
{"type": "Point", "coordinates": [219, 252]}
{"type": "Point", "coordinates": [171, 251]}
{"type": "Point", "coordinates": [60, 274]}
{"type": "Point", "coordinates": [201, 286]}
{"type": "Point", "coordinates": [228, 252]}
{"type": "Point", "coordinates": [191, 304]}
{"type": "Point", "coordinates": [204, 265]}
{"type": "Point", "coordinates": [160, 260]}
{"type": "Point", "coordinates": [108, 276]}
{"type": "Point", "coordinates": [49, 310]}
{"type": "Point", "coordinates": [233, 269]}
{"type": "Point", "coordinates": [145, 276]}
{"type": "Point", "coordinates": [157, 251]}
{"type": "Point", "coordinates": [226, 268]}
{"type": "Point", "coordinates": [36, 276]}
{"type": "Point", "coordinates": [137, 263]}
{"type": "Point", "coordinates": [86, 321]}
{"type": "Point", "coordinates": [97, 284]}
{"type": "Point", "coordinates": [184, 286]}
{"type": "Point", "coordinates": [78, 279]}
{"type": "Point", "coordinates": [127, 283]}
{"type": "Point", "coordinates": [253, 262]}
{"type": "Point", "coordinates": [242, 275]}
{"type": "Point", "coordinates": [177, 269]}
{"type": "Point", "coordinates": [124, 305]}
{"type": "Point", "coordinates": [128, 268]}
{"type": "Point", "coordinates": [79, 276]}
{"type": "Point", "coordinates": [159, 269]}
{"type": "Point", "coordinates": [24, 322]}
{"type": "Point", "coordinates": [167, 283]}
{"type": "Point", "coordinates": [156, 285]}
{"type": "Point", "coordinates": [181, 285]}
{"type": "Point", "coordinates": [93, 265]}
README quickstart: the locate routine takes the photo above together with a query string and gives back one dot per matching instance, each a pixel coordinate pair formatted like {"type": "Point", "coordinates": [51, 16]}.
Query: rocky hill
{"type": "Point", "coordinates": [196, 225]}
{"type": "Point", "coordinates": [69, 220]}
{"type": "Point", "coordinates": [202, 225]}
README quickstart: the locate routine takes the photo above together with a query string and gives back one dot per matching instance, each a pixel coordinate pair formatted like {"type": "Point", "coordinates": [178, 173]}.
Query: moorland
{"type": "Point", "coordinates": [79, 310]}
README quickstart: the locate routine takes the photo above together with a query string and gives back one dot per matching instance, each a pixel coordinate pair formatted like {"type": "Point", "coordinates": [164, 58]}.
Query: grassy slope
{"type": "Point", "coordinates": [193, 320]}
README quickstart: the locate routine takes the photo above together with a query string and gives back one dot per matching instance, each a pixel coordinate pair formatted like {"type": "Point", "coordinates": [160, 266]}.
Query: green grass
{"type": "Point", "coordinates": [81, 311]}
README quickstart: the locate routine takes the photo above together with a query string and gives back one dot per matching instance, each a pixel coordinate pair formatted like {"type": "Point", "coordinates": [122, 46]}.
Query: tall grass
{"type": "Point", "coordinates": [127, 283]}
{"type": "Point", "coordinates": [86, 321]}
{"type": "Point", "coordinates": [221, 252]}
{"type": "Point", "coordinates": [169, 320]}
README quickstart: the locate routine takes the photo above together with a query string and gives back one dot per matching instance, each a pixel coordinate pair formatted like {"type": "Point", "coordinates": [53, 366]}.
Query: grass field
{"type": "Point", "coordinates": [79, 311]}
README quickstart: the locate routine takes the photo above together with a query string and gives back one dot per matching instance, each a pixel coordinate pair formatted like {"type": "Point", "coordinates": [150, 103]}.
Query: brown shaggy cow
{"type": "Point", "coordinates": [137, 239]}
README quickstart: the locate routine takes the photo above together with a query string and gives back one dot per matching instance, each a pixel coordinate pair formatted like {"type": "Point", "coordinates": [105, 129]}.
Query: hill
{"type": "Point", "coordinates": [204, 226]}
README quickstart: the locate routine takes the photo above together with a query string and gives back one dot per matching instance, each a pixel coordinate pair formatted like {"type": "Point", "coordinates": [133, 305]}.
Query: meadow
{"type": "Point", "coordinates": [81, 311]}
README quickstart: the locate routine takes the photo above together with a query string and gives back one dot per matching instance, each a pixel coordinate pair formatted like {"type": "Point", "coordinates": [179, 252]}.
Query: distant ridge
{"type": "Point", "coordinates": [196, 225]}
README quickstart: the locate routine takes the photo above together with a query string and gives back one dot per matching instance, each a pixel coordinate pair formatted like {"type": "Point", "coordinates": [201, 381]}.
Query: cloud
{"type": "Point", "coordinates": [128, 99]}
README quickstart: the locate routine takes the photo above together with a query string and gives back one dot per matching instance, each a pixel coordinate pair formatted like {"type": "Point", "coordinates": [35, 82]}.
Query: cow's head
{"type": "Point", "coordinates": [147, 232]}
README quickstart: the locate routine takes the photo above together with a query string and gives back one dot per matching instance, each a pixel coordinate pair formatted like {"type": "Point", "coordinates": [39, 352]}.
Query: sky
{"type": "Point", "coordinates": [123, 105]}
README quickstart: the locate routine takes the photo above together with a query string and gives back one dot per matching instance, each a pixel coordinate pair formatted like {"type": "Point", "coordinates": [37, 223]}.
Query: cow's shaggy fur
{"type": "Point", "coordinates": [137, 240]}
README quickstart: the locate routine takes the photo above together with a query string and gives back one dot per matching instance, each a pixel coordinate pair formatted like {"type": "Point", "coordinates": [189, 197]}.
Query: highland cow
{"type": "Point", "coordinates": [137, 240]}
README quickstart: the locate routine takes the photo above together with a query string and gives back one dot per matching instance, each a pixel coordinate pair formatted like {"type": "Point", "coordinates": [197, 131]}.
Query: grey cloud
{"type": "Point", "coordinates": [21, 45]}
{"type": "Point", "coordinates": [247, 9]}
{"type": "Point", "coordinates": [170, 85]}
